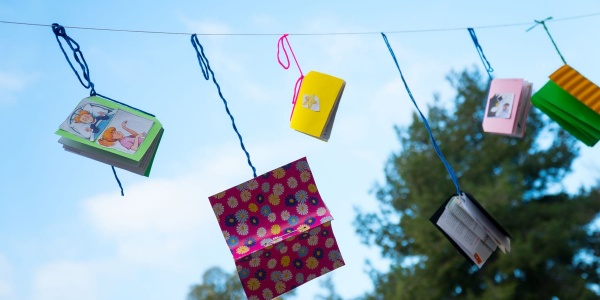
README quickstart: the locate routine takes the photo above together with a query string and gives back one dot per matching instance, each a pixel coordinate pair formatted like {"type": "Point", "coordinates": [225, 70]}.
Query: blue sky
{"type": "Point", "coordinates": [65, 231]}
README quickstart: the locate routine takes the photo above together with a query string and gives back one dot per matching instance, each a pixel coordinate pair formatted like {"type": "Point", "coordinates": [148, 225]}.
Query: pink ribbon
{"type": "Point", "coordinates": [287, 58]}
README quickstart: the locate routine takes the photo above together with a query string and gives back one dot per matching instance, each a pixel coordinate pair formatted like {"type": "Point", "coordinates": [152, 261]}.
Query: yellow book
{"type": "Point", "coordinates": [316, 105]}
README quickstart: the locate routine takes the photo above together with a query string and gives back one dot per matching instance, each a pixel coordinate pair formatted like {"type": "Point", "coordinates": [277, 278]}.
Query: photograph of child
{"type": "Point", "coordinates": [500, 106]}
{"type": "Point", "coordinates": [88, 120]}
{"type": "Point", "coordinates": [126, 132]}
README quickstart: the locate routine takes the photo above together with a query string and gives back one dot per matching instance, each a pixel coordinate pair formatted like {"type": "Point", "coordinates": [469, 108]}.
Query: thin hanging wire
{"type": "Point", "coordinates": [59, 31]}
{"type": "Point", "coordinates": [543, 22]}
{"type": "Point", "coordinates": [435, 145]}
{"type": "Point", "coordinates": [205, 67]}
{"type": "Point", "coordinates": [486, 63]}
{"type": "Point", "coordinates": [306, 34]}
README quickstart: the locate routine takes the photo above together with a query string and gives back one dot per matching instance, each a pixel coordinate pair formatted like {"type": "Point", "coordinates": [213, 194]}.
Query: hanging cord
{"type": "Point", "coordinates": [59, 31]}
{"type": "Point", "coordinates": [287, 66]}
{"type": "Point", "coordinates": [205, 67]}
{"type": "Point", "coordinates": [435, 145]}
{"type": "Point", "coordinates": [543, 22]}
{"type": "Point", "coordinates": [486, 63]}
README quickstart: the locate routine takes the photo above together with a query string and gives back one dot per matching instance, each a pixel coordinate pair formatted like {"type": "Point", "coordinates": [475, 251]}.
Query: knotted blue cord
{"type": "Point", "coordinates": [486, 63]}
{"type": "Point", "coordinates": [59, 31]}
{"type": "Point", "coordinates": [435, 145]}
{"type": "Point", "coordinates": [205, 67]}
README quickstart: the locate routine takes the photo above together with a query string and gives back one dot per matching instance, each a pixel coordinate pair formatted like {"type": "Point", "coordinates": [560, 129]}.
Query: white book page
{"type": "Point", "coordinates": [329, 124]}
{"type": "Point", "coordinates": [455, 207]}
{"type": "Point", "coordinates": [501, 240]}
{"type": "Point", "coordinates": [467, 240]}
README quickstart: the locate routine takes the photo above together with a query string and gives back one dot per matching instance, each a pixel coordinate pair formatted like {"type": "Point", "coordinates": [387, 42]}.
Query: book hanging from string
{"type": "Point", "coordinates": [461, 218]}
{"type": "Point", "coordinates": [507, 107]}
{"type": "Point", "coordinates": [276, 225]}
{"type": "Point", "coordinates": [106, 130]}
{"type": "Point", "coordinates": [112, 133]}
{"type": "Point", "coordinates": [571, 100]}
{"type": "Point", "coordinates": [315, 100]}
{"type": "Point", "coordinates": [508, 101]}
{"type": "Point", "coordinates": [278, 230]}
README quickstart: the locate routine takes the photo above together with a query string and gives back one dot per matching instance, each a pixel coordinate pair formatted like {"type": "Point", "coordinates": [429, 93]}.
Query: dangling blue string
{"type": "Point", "coordinates": [435, 145]}
{"type": "Point", "coordinates": [486, 63]}
{"type": "Point", "coordinates": [205, 67]}
{"type": "Point", "coordinates": [59, 31]}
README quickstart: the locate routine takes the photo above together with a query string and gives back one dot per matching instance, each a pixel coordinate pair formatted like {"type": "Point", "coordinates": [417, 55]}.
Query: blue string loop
{"type": "Point", "coordinates": [435, 145]}
{"type": "Point", "coordinates": [486, 63]}
{"type": "Point", "coordinates": [205, 67]}
{"type": "Point", "coordinates": [59, 31]}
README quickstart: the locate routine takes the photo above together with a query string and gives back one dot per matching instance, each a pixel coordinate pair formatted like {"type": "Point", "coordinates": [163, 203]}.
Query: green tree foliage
{"type": "Point", "coordinates": [220, 285]}
{"type": "Point", "coordinates": [555, 253]}
{"type": "Point", "coordinates": [217, 285]}
{"type": "Point", "coordinates": [327, 284]}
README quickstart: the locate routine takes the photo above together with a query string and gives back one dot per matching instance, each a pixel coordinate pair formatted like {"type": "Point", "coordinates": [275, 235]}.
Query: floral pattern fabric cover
{"type": "Point", "coordinates": [278, 230]}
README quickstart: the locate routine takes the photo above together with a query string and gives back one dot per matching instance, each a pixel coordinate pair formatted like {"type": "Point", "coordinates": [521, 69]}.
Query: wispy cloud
{"type": "Point", "coordinates": [65, 281]}
{"type": "Point", "coordinates": [11, 83]}
{"type": "Point", "coordinates": [6, 288]}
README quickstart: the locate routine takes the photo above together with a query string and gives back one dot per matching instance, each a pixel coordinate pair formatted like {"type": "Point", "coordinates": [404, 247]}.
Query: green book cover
{"type": "Point", "coordinates": [572, 115]}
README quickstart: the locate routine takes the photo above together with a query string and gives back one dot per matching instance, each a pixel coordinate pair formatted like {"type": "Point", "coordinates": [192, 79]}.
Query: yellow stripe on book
{"type": "Point", "coordinates": [578, 86]}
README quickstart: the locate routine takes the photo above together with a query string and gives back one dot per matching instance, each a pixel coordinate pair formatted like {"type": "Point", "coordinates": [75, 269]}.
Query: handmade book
{"type": "Point", "coordinates": [278, 230]}
{"type": "Point", "coordinates": [316, 105]}
{"type": "Point", "coordinates": [472, 231]}
{"type": "Point", "coordinates": [507, 107]}
{"type": "Point", "coordinates": [573, 102]}
{"type": "Point", "coordinates": [568, 112]}
{"type": "Point", "coordinates": [112, 133]}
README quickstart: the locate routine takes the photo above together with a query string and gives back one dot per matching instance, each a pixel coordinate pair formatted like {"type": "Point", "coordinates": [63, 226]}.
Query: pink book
{"type": "Point", "coordinates": [507, 107]}
{"type": "Point", "coordinates": [278, 230]}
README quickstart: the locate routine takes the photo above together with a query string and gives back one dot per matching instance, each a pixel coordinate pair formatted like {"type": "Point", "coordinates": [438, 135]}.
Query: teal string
{"type": "Point", "coordinates": [205, 67]}
{"type": "Point", "coordinates": [59, 31]}
{"type": "Point", "coordinates": [543, 22]}
{"type": "Point", "coordinates": [435, 145]}
{"type": "Point", "coordinates": [486, 63]}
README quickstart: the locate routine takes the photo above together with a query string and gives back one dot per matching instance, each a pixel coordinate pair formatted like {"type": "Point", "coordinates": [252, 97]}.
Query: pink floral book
{"type": "Point", "coordinates": [278, 230]}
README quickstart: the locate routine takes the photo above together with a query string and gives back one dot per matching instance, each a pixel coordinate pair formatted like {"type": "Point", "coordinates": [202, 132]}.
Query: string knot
{"type": "Point", "coordinates": [486, 63]}
{"type": "Point", "coordinates": [543, 22]}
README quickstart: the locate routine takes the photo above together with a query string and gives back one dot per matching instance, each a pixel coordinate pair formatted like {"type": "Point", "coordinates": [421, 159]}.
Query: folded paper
{"type": "Point", "coordinates": [316, 104]}
{"type": "Point", "coordinates": [507, 107]}
{"type": "Point", "coordinates": [577, 85]}
{"type": "Point", "coordinates": [572, 101]}
{"type": "Point", "coordinates": [112, 133]}
{"type": "Point", "coordinates": [568, 112]}
{"type": "Point", "coordinates": [278, 230]}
